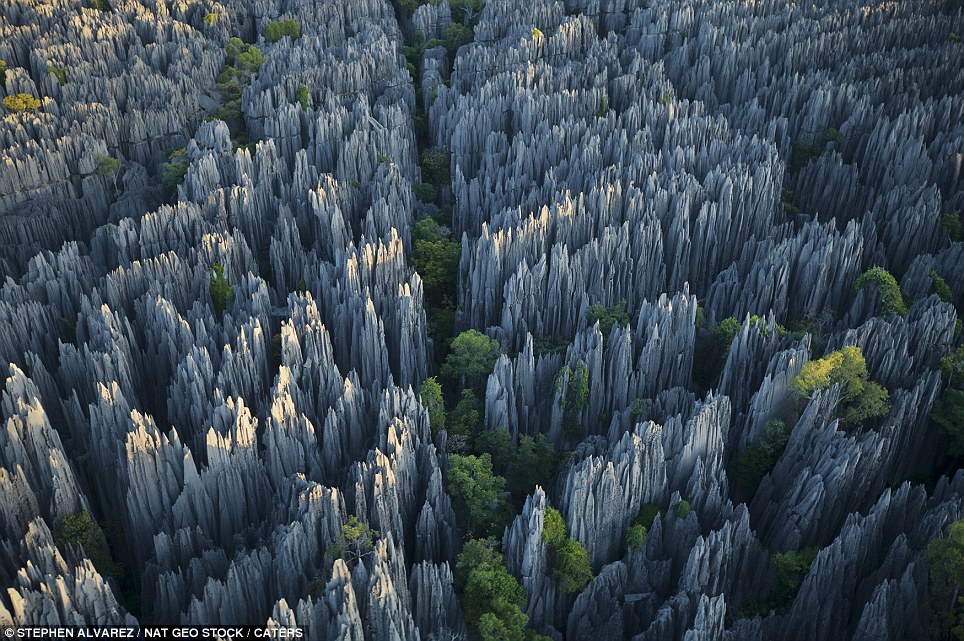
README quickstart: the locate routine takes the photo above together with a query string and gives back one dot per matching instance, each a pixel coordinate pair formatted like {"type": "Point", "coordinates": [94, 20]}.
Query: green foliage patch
{"type": "Point", "coordinates": [608, 316]}
{"type": "Point", "coordinates": [478, 495]}
{"type": "Point", "coordinates": [355, 541]}
{"type": "Point", "coordinates": [81, 529]}
{"type": "Point", "coordinates": [886, 286]}
{"type": "Point", "coordinates": [105, 165]}
{"type": "Point", "coordinates": [220, 289]}
{"type": "Point", "coordinates": [568, 560]}
{"type": "Point", "coordinates": [275, 31]}
{"type": "Point", "coordinates": [21, 102]}
{"type": "Point", "coordinates": [861, 399]}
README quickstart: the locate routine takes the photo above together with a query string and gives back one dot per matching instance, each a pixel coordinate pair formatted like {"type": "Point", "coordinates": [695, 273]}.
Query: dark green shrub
{"type": "Point", "coordinates": [952, 223]}
{"type": "Point", "coordinates": [430, 393]}
{"type": "Point", "coordinates": [608, 316]}
{"type": "Point", "coordinates": [303, 97]}
{"type": "Point", "coordinates": [275, 31]}
{"type": "Point", "coordinates": [221, 291]}
{"type": "Point", "coordinates": [425, 192]}
{"type": "Point", "coordinates": [81, 529]}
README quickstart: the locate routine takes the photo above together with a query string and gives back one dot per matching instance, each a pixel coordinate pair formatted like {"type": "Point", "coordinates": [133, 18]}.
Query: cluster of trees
{"type": "Point", "coordinates": [174, 170]}
{"type": "Point", "coordinates": [492, 600]}
{"type": "Point", "coordinates": [568, 560]}
{"type": "Point", "coordinates": [81, 530]}
{"type": "Point", "coordinates": [105, 165]}
{"type": "Point", "coordinates": [241, 62]}
{"type": "Point", "coordinates": [758, 459]}
{"type": "Point", "coordinates": [275, 31]}
{"type": "Point", "coordinates": [436, 256]}
{"type": "Point", "coordinates": [574, 387]}
{"type": "Point", "coordinates": [608, 316]}
{"type": "Point", "coordinates": [948, 411]}
{"type": "Point", "coordinates": [945, 561]}
{"type": "Point", "coordinates": [641, 525]}
{"type": "Point", "coordinates": [861, 399]}
{"type": "Point", "coordinates": [21, 102]}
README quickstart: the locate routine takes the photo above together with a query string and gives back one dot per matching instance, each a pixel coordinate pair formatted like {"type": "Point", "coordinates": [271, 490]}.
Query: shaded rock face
{"type": "Point", "coordinates": [623, 179]}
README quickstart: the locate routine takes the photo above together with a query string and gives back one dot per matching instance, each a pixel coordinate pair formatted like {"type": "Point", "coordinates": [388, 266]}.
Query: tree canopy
{"type": "Point", "coordinates": [608, 316]}
{"type": "Point", "coordinates": [221, 291]}
{"type": "Point", "coordinates": [945, 562]}
{"type": "Point", "coordinates": [430, 393]}
{"type": "Point", "coordinates": [568, 560]}
{"type": "Point", "coordinates": [81, 529]}
{"type": "Point", "coordinates": [493, 601]}
{"type": "Point", "coordinates": [471, 359]}
{"type": "Point", "coordinates": [886, 286]}
{"type": "Point", "coordinates": [355, 541]}
{"type": "Point", "coordinates": [275, 31]}
{"type": "Point", "coordinates": [861, 398]}
{"type": "Point", "coordinates": [478, 495]}
{"type": "Point", "coordinates": [21, 102]}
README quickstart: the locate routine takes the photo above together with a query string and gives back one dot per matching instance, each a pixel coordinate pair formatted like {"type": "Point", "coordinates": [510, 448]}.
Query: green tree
{"type": "Point", "coordinates": [574, 385]}
{"type": "Point", "coordinates": [641, 525]}
{"type": "Point", "coordinates": [758, 459]}
{"type": "Point", "coordinates": [570, 567]}
{"type": "Point", "coordinates": [3, 71]}
{"type": "Point", "coordinates": [471, 359]}
{"type": "Point", "coordinates": [221, 291]}
{"type": "Point", "coordinates": [436, 260]}
{"type": "Point", "coordinates": [939, 286]}
{"type": "Point", "coordinates": [466, 417]}
{"type": "Point", "coordinates": [455, 36]}
{"type": "Point", "coordinates": [478, 495]}
{"type": "Point", "coordinates": [244, 57]}
{"type": "Point", "coordinates": [568, 561]}
{"type": "Point", "coordinates": [682, 509]}
{"type": "Point", "coordinates": [636, 536]}
{"type": "Point", "coordinates": [105, 165]}
{"type": "Point", "coordinates": [355, 541]}
{"type": "Point", "coordinates": [791, 567]}
{"type": "Point", "coordinates": [860, 397]}
{"type": "Point", "coordinates": [21, 102]}
{"type": "Point", "coordinates": [81, 529]}
{"type": "Point", "coordinates": [533, 462]}
{"type": "Point", "coordinates": [430, 393]}
{"type": "Point", "coordinates": [275, 31]}
{"type": "Point", "coordinates": [945, 562]}
{"type": "Point", "coordinates": [952, 367]}
{"type": "Point", "coordinates": [211, 19]}
{"type": "Point", "coordinates": [886, 286]}
{"type": "Point", "coordinates": [952, 223]}
{"type": "Point", "coordinates": [60, 73]}
{"type": "Point", "coordinates": [425, 192]}
{"type": "Point", "coordinates": [435, 167]}
{"type": "Point", "coordinates": [303, 97]}
{"type": "Point", "coordinates": [608, 316]}
{"type": "Point", "coordinates": [488, 588]}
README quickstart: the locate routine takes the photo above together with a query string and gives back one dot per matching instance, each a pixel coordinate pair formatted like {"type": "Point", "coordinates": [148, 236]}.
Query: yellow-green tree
{"type": "Point", "coordinates": [860, 397]}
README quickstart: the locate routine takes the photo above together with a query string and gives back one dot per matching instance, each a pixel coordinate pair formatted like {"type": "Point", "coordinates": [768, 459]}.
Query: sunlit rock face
{"type": "Point", "coordinates": [214, 323]}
